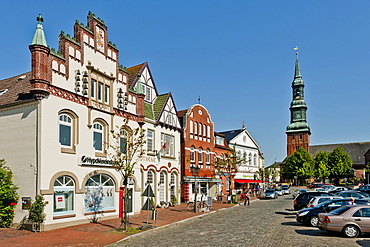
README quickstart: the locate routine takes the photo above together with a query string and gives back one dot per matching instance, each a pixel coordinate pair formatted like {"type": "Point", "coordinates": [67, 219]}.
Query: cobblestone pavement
{"type": "Point", "coordinates": [263, 223]}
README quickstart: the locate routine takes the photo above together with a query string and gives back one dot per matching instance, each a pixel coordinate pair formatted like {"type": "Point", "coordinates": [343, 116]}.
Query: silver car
{"type": "Point", "coordinates": [351, 220]}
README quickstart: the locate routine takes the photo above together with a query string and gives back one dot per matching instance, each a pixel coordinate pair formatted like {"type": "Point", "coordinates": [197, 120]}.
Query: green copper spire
{"type": "Point", "coordinates": [298, 106]}
{"type": "Point", "coordinates": [39, 36]}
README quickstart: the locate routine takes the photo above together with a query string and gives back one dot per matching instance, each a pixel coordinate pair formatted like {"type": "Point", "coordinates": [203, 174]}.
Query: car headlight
{"type": "Point", "coordinates": [303, 213]}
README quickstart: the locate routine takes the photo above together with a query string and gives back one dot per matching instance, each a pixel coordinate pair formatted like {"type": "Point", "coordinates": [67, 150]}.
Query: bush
{"type": "Point", "coordinates": [37, 214]}
{"type": "Point", "coordinates": [8, 195]}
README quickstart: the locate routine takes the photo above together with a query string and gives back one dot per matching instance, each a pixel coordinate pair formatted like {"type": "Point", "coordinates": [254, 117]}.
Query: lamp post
{"type": "Point", "coordinates": [195, 171]}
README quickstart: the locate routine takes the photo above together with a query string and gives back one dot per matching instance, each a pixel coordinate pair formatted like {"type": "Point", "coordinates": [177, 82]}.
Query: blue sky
{"type": "Point", "coordinates": [236, 55]}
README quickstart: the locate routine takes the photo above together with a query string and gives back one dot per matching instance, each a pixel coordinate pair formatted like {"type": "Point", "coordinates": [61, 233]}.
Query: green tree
{"type": "Point", "coordinates": [339, 164]}
{"type": "Point", "coordinates": [227, 165]}
{"type": "Point", "coordinates": [36, 213]}
{"type": "Point", "coordinates": [298, 164]}
{"type": "Point", "coordinates": [8, 195]}
{"type": "Point", "coordinates": [127, 146]}
{"type": "Point", "coordinates": [321, 170]}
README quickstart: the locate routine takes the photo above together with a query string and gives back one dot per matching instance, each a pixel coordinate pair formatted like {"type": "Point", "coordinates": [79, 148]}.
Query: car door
{"type": "Point", "coordinates": [362, 218]}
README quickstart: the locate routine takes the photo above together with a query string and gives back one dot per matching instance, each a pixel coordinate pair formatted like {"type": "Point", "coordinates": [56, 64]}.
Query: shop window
{"type": "Point", "coordinates": [63, 199]}
{"type": "Point", "coordinates": [99, 193]}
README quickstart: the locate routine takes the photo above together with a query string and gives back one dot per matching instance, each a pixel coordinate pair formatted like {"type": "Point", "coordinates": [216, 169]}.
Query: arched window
{"type": "Point", "coordinates": [68, 131]}
{"type": "Point", "coordinates": [204, 130]}
{"type": "Point", "coordinates": [208, 157]}
{"type": "Point", "coordinates": [123, 141]}
{"type": "Point", "coordinates": [245, 158]}
{"type": "Point", "coordinates": [98, 136]}
{"type": "Point", "coordinates": [255, 159]}
{"type": "Point", "coordinates": [63, 198]}
{"type": "Point", "coordinates": [200, 155]}
{"type": "Point", "coordinates": [150, 177]}
{"type": "Point", "coordinates": [99, 193]}
{"type": "Point", "coordinates": [195, 128]}
{"type": "Point", "coordinates": [250, 158]}
{"type": "Point", "coordinates": [192, 154]}
{"type": "Point", "coordinates": [200, 129]}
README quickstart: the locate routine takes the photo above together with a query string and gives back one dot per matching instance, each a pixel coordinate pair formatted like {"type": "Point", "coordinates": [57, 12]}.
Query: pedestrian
{"type": "Point", "coordinates": [246, 198]}
{"type": "Point", "coordinates": [351, 201]}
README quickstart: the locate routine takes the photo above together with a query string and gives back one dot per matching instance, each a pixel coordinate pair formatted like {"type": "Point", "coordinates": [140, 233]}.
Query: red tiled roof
{"type": "Point", "coordinates": [133, 71]}
{"type": "Point", "coordinates": [18, 89]}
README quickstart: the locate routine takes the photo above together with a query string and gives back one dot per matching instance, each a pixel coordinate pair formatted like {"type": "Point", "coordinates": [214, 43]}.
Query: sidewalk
{"type": "Point", "coordinates": [97, 234]}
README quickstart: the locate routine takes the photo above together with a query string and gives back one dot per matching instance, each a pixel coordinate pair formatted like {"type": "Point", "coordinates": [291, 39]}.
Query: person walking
{"type": "Point", "coordinates": [246, 198]}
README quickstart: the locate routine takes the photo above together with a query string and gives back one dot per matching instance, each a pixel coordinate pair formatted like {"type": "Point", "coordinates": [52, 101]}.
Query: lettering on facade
{"type": "Point", "coordinates": [148, 159]}
{"type": "Point", "coordinates": [85, 160]}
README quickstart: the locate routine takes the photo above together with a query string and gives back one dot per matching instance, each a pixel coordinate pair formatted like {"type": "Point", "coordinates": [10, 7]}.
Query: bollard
{"type": "Point", "coordinates": [154, 214]}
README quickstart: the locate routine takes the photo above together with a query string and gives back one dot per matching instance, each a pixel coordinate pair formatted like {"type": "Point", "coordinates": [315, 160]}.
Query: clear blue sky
{"type": "Point", "coordinates": [236, 55]}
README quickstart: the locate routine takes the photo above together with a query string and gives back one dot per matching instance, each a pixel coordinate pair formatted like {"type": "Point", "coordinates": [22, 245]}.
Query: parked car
{"type": "Point", "coordinates": [298, 191]}
{"type": "Point", "coordinates": [320, 199]}
{"type": "Point", "coordinates": [351, 220]}
{"type": "Point", "coordinates": [285, 189]}
{"type": "Point", "coordinates": [365, 189]}
{"type": "Point", "coordinates": [327, 187]}
{"type": "Point", "coordinates": [279, 191]}
{"type": "Point", "coordinates": [338, 189]}
{"type": "Point", "coordinates": [353, 193]}
{"type": "Point", "coordinates": [310, 215]}
{"type": "Point", "coordinates": [270, 193]}
{"type": "Point", "coordinates": [301, 200]}
{"type": "Point", "coordinates": [315, 185]}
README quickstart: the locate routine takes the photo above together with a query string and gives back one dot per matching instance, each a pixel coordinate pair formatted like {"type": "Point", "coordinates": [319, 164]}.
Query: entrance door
{"type": "Point", "coordinates": [129, 200]}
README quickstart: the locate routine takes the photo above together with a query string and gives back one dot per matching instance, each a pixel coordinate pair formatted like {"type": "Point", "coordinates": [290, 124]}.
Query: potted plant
{"type": "Point", "coordinates": [174, 201]}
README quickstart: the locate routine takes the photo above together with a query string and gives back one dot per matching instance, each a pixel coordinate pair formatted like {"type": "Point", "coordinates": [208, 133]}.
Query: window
{"type": "Point", "coordinates": [123, 142]}
{"type": "Point", "coordinates": [200, 129]}
{"type": "Point", "coordinates": [208, 157]}
{"type": "Point", "coordinates": [204, 130]}
{"type": "Point", "coordinates": [191, 127]}
{"type": "Point", "coordinates": [65, 130]}
{"type": "Point", "coordinates": [106, 94]}
{"type": "Point", "coordinates": [148, 96]}
{"type": "Point", "coordinates": [219, 140]}
{"type": "Point", "coordinates": [2, 91]}
{"type": "Point", "coordinates": [150, 140]}
{"type": "Point", "coordinates": [63, 200]}
{"type": "Point", "coordinates": [68, 131]}
{"type": "Point", "coordinates": [98, 137]}
{"type": "Point", "coordinates": [100, 91]}
{"type": "Point", "coordinates": [167, 143]}
{"type": "Point", "coordinates": [245, 158]}
{"type": "Point", "coordinates": [99, 193]}
{"type": "Point", "coordinates": [255, 159]}
{"type": "Point", "coordinates": [92, 89]}
{"type": "Point", "coordinates": [192, 154]}
{"type": "Point", "coordinates": [173, 179]}
{"type": "Point", "coordinates": [250, 158]}
{"type": "Point", "coordinates": [200, 155]}
{"type": "Point", "coordinates": [169, 119]}
{"type": "Point", "coordinates": [161, 177]}
{"type": "Point", "coordinates": [195, 128]}
{"type": "Point", "coordinates": [150, 177]}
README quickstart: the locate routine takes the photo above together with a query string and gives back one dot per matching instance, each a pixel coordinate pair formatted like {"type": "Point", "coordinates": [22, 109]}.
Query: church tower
{"type": "Point", "coordinates": [298, 132]}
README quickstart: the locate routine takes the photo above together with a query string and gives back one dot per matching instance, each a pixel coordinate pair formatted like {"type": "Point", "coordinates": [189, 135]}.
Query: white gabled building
{"type": "Point", "coordinates": [56, 123]}
{"type": "Point", "coordinates": [247, 147]}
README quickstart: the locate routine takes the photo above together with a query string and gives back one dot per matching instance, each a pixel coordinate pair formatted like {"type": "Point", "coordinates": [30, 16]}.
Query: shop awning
{"type": "Point", "coordinates": [247, 181]}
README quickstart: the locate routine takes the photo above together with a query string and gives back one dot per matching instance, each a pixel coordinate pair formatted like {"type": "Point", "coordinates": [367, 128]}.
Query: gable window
{"type": "Point", "coordinates": [68, 131]}
{"type": "Point", "coordinates": [148, 96]}
{"type": "Point", "coordinates": [150, 140]}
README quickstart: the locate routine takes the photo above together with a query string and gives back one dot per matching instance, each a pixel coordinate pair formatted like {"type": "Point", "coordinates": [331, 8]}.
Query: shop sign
{"type": "Point", "coordinates": [88, 161]}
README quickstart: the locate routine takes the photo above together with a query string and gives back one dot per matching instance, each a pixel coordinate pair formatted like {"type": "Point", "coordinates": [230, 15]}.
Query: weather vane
{"type": "Point", "coordinates": [296, 49]}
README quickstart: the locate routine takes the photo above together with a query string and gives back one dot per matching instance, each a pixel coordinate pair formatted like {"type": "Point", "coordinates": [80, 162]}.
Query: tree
{"type": "Point", "coordinates": [227, 165]}
{"type": "Point", "coordinates": [339, 164]}
{"type": "Point", "coordinates": [298, 164]}
{"type": "Point", "coordinates": [321, 170]}
{"type": "Point", "coordinates": [8, 195]}
{"type": "Point", "coordinates": [127, 146]}
{"type": "Point", "coordinates": [36, 213]}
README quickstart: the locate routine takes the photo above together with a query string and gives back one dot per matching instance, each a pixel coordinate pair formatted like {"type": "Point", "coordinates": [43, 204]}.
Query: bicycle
{"type": "Point", "coordinates": [200, 205]}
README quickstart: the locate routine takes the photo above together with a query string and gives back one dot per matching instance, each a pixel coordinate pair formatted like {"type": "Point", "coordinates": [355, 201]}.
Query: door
{"type": "Point", "coordinates": [129, 200]}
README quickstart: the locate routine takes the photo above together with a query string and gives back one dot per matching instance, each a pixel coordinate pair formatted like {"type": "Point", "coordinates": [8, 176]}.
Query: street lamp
{"type": "Point", "coordinates": [195, 171]}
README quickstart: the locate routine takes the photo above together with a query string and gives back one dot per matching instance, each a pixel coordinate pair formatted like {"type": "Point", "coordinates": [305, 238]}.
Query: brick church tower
{"type": "Point", "coordinates": [298, 132]}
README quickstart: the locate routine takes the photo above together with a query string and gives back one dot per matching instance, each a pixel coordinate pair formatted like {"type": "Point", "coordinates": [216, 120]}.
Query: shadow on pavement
{"type": "Point", "coordinates": [285, 213]}
{"type": "Point", "coordinates": [291, 224]}
{"type": "Point", "coordinates": [363, 242]}
{"type": "Point", "coordinates": [317, 232]}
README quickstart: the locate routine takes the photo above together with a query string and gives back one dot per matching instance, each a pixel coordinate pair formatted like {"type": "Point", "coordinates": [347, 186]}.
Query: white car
{"type": "Point", "coordinates": [279, 191]}
{"type": "Point", "coordinates": [285, 189]}
{"type": "Point", "coordinates": [319, 199]}
{"type": "Point", "coordinates": [328, 187]}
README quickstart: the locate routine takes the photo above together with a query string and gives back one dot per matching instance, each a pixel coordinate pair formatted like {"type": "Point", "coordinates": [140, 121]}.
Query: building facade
{"type": "Point", "coordinates": [57, 122]}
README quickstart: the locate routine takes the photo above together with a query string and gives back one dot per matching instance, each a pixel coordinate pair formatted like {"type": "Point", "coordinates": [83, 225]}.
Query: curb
{"type": "Point", "coordinates": [171, 224]}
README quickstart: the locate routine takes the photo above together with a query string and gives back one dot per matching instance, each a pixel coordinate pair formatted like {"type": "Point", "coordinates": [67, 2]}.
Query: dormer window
{"type": "Point", "coordinates": [2, 91]}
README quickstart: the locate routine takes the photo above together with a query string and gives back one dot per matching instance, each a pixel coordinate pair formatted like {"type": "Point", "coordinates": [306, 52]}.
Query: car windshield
{"type": "Point", "coordinates": [340, 210]}
{"type": "Point", "coordinates": [269, 191]}
{"type": "Point", "coordinates": [278, 189]}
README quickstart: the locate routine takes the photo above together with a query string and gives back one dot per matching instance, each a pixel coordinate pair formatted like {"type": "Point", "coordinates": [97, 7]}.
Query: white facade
{"type": "Point", "coordinates": [58, 145]}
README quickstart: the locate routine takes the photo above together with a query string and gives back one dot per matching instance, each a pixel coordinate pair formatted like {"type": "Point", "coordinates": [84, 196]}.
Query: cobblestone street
{"type": "Point", "coordinates": [263, 223]}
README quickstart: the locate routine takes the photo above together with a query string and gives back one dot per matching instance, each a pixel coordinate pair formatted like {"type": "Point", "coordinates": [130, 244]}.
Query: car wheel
{"type": "Point", "coordinates": [314, 220]}
{"type": "Point", "coordinates": [351, 231]}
